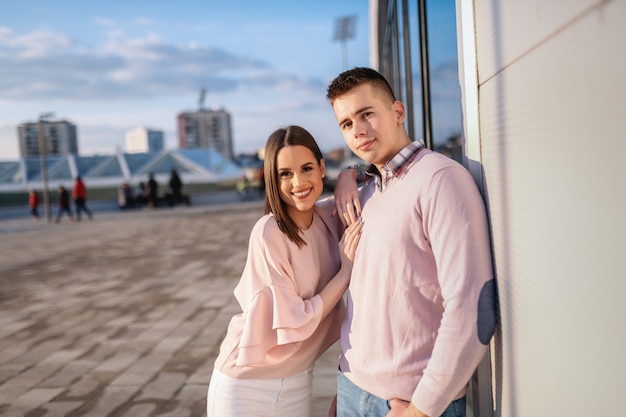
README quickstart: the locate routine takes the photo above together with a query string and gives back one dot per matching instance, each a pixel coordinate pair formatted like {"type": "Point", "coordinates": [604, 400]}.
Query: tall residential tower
{"type": "Point", "coordinates": [143, 139]}
{"type": "Point", "coordinates": [206, 129]}
{"type": "Point", "coordinates": [60, 138]}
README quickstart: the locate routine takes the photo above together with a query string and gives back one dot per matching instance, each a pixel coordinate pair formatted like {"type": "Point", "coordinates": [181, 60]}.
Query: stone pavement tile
{"type": "Point", "coordinates": [18, 385]}
{"type": "Point", "coordinates": [190, 401]}
{"type": "Point", "coordinates": [149, 365]}
{"type": "Point", "coordinates": [138, 410]}
{"type": "Point", "coordinates": [112, 398]}
{"type": "Point", "coordinates": [60, 408]}
{"type": "Point", "coordinates": [121, 360]}
{"type": "Point", "coordinates": [69, 374]}
{"type": "Point", "coordinates": [8, 327]}
{"type": "Point", "coordinates": [26, 354]}
{"type": "Point", "coordinates": [195, 324]}
{"type": "Point", "coordinates": [84, 387]}
{"type": "Point", "coordinates": [35, 398]}
{"type": "Point", "coordinates": [163, 387]}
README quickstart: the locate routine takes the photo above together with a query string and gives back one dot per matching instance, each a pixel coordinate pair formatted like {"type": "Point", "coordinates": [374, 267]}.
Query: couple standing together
{"type": "Point", "coordinates": [412, 248]}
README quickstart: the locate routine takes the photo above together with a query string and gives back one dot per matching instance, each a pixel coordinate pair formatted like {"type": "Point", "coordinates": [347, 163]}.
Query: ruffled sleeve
{"type": "Point", "coordinates": [276, 317]}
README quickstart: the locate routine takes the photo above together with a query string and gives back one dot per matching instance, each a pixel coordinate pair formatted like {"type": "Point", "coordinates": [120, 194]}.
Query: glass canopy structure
{"type": "Point", "coordinates": [194, 166]}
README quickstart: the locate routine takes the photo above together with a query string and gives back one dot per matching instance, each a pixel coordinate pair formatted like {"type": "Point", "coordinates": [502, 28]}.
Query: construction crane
{"type": "Point", "coordinates": [201, 100]}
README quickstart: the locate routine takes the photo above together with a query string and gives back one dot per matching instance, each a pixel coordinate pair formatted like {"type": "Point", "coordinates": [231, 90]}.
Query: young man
{"type": "Point", "coordinates": [421, 301]}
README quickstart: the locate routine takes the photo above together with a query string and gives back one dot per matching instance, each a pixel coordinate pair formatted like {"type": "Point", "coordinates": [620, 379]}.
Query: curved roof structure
{"type": "Point", "coordinates": [193, 165]}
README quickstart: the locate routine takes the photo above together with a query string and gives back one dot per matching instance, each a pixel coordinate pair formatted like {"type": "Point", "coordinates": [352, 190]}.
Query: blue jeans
{"type": "Point", "coordinates": [352, 401]}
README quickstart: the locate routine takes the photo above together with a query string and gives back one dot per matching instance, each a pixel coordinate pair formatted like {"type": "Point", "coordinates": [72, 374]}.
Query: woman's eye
{"type": "Point", "coordinates": [285, 174]}
{"type": "Point", "coordinates": [307, 169]}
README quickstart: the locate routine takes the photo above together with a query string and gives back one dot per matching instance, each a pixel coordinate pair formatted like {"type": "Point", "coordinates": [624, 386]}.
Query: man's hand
{"type": "Point", "coordinates": [347, 204]}
{"type": "Point", "coordinates": [400, 408]}
{"type": "Point", "coordinates": [333, 408]}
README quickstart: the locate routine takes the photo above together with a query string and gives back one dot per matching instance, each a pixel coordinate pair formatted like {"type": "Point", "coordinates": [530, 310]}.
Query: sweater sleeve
{"type": "Point", "coordinates": [456, 226]}
{"type": "Point", "coordinates": [277, 318]}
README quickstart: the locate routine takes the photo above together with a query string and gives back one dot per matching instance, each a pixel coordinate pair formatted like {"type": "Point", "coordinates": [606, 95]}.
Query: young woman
{"type": "Point", "coordinates": [290, 290]}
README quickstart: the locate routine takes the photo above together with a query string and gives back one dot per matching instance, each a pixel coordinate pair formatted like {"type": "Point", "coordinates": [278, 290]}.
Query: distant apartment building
{"type": "Point", "coordinates": [142, 140]}
{"type": "Point", "coordinates": [60, 138]}
{"type": "Point", "coordinates": [206, 129]}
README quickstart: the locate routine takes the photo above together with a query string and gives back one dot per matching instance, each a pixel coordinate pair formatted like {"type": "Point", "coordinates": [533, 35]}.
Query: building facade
{"type": "Point", "coordinates": [206, 129]}
{"type": "Point", "coordinates": [60, 138]}
{"type": "Point", "coordinates": [143, 139]}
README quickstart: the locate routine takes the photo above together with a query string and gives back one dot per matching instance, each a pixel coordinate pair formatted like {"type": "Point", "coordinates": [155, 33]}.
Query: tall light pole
{"type": "Point", "coordinates": [42, 161]}
{"type": "Point", "coordinates": [344, 30]}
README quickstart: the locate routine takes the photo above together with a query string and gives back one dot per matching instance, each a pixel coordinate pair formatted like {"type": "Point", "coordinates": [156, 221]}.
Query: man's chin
{"type": "Point", "coordinates": [366, 156]}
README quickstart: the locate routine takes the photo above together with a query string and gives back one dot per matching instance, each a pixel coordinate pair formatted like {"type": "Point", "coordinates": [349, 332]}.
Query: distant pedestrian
{"type": "Point", "coordinates": [80, 198]}
{"type": "Point", "coordinates": [142, 194]}
{"type": "Point", "coordinates": [33, 203]}
{"type": "Point", "coordinates": [153, 191]}
{"type": "Point", "coordinates": [125, 197]}
{"type": "Point", "coordinates": [64, 205]}
{"type": "Point", "coordinates": [176, 187]}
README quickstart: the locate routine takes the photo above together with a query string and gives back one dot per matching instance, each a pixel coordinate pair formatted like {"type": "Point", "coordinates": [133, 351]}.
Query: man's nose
{"type": "Point", "coordinates": [358, 128]}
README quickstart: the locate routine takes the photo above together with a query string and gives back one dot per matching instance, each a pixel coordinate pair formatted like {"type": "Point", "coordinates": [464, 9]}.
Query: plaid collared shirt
{"type": "Point", "coordinates": [395, 166]}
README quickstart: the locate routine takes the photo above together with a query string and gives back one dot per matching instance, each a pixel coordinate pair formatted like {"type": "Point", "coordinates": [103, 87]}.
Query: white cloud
{"type": "Point", "coordinates": [46, 65]}
{"type": "Point", "coordinates": [31, 45]}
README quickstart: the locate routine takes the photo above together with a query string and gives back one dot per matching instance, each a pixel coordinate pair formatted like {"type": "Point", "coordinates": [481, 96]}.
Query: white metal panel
{"type": "Point", "coordinates": [553, 149]}
{"type": "Point", "coordinates": [479, 395]}
{"type": "Point", "coordinates": [510, 29]}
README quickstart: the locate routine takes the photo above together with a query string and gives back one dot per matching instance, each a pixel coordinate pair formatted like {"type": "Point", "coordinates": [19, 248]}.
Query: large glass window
{"type": "Point", "coordinates": [430, 92]}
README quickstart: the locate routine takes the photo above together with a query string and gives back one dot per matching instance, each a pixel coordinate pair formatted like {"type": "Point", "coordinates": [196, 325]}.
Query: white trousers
{"type": "Point", "coordinates": [280, 397]}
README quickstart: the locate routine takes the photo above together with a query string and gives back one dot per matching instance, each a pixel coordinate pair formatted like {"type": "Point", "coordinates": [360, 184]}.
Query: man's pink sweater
{"type": "Point", "coordinates": [413, 329]}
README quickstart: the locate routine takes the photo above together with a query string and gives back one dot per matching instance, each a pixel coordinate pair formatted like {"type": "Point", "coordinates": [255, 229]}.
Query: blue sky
{"type": "Point", "coordinates": [109, 67]}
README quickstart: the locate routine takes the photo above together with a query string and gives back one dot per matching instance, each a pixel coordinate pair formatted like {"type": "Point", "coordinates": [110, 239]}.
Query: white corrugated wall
{"type": "Point", "coordinates": [544, 87]}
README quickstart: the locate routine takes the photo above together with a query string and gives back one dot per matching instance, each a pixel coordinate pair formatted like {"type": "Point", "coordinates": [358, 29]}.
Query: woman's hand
{"type": "Point", "coordinates": [350, 241]}
{"type": "Point", "coordinates": [334, 289]}
{"type": "Point", "coordinates": [347, 204]}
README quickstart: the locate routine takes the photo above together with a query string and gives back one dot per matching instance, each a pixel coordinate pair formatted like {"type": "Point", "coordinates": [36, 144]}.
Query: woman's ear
{"type": "Point", "coordinates": [323, 167]}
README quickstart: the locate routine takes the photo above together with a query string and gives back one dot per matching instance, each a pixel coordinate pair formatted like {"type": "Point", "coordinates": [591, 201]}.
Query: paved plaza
{"type": "Point", "coordinates": [123, 315]}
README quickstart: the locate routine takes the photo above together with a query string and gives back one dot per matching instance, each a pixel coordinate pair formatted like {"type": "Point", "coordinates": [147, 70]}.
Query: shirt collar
{"type": "Point", "coordinates": [396, 165]}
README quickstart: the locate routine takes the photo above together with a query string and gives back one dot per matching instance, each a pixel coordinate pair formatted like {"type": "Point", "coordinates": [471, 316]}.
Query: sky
{"type": "Point", "coordinates": [109, 67]}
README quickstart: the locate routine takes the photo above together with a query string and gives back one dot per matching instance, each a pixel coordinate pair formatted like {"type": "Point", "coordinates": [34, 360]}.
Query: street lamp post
{"type": "Point", "coordinates": [42, 160]}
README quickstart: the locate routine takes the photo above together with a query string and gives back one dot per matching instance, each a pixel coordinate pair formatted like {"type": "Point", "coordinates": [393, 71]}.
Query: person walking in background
{"type": "Point", "coordinates": [421, 304]}
{"type": "Point", "coordinates": [64, 204]}
{"type": "Point", "coordinates": [153, 191]}
{"type": "Point", "coordinates": [290, 291]}
{"type": "Point", "coordinates": [176, 186]}
{"type": "Point", "coordinates": [33, 203]}
{"type": "Point", "coordinates": [80, 198]}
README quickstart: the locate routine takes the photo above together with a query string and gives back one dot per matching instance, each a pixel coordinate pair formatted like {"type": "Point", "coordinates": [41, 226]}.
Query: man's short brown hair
{"type": "Point", "coordinates": [354, 77]}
